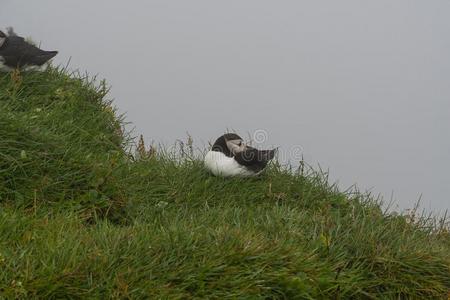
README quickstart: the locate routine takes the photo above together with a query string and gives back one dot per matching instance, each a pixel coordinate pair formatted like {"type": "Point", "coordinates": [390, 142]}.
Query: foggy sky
{"type": "Point", "coordinates": [362, 87]}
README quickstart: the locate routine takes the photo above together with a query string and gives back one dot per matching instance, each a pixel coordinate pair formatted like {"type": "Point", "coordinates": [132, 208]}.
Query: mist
{"type": "Point", "coordinates": [360, 88]}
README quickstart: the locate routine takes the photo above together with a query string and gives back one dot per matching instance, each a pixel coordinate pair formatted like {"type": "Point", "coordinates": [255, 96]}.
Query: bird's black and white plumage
{"type": "Point", "coordinates": [230, 156]}
{"type": "Point", "coordinates": [15, 52]}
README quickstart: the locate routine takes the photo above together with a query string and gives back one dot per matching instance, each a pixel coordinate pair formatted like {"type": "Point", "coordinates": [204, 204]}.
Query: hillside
{"type": "Point", "coordinates": [81, 218]}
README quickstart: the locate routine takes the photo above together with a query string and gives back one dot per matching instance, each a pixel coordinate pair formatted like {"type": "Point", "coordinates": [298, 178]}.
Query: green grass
{"type": "Point", "coordinates": [81, 218]}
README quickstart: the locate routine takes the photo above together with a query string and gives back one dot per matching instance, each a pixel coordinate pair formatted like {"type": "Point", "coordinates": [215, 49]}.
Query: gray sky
{"type": "Point", "coordinates": [363, 87]}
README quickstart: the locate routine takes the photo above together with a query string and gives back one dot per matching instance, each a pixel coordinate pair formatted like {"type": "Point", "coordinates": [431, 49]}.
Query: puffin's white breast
{"type": "Point", "coordinates": [221, 165]}
{"type": "Point", "coordinates": [3, 67]}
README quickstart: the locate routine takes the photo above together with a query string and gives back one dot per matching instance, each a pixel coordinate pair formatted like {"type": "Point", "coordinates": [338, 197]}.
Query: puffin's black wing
{"type": "Point", "coordinates": [254, 159]}
{"type": "Point", "coordinates": [16, 52]}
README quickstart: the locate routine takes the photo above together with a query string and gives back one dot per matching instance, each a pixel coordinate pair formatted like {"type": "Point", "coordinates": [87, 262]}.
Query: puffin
{"type": "Point", "coordinates": [230, 156]}
{"type": "Point", "coordinates": [15, 52]}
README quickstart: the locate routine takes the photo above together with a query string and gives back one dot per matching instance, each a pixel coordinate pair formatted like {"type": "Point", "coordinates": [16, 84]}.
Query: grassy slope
{"type": "Point", "coordinates": [80, 219]}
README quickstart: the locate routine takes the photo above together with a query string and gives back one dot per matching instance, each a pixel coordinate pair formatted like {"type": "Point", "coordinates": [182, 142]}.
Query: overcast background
{"type": "Point", "coordinates": [363, 87]}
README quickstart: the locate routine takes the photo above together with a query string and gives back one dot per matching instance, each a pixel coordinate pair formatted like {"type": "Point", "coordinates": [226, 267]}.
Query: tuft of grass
{"type": "Point", "coordinates": [60, 142]}
{"type": "Point", "coordinates": [82, 218]}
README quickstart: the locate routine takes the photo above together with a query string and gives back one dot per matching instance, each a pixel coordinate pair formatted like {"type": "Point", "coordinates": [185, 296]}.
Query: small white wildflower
{"type": "Point", "coordinates": [162, 204]}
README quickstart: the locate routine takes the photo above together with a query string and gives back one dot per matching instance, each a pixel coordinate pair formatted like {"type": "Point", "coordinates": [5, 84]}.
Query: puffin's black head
{"type": "Point", "coordinates": [229, 144]}
{"type": "Point", "coordinates": [2, 38]}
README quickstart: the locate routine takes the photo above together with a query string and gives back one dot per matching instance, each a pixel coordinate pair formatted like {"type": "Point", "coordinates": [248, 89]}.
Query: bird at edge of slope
{"type": "Point", "coordinates": [230, 156]}
{"type": "Point", "coordinates": [17, 53]}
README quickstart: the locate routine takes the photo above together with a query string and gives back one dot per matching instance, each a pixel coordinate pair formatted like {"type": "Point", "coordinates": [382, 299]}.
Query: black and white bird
{"type": "Point", "coordinates": [230, 156]}
{"type": "Point", "coordinates": [15, 52]}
